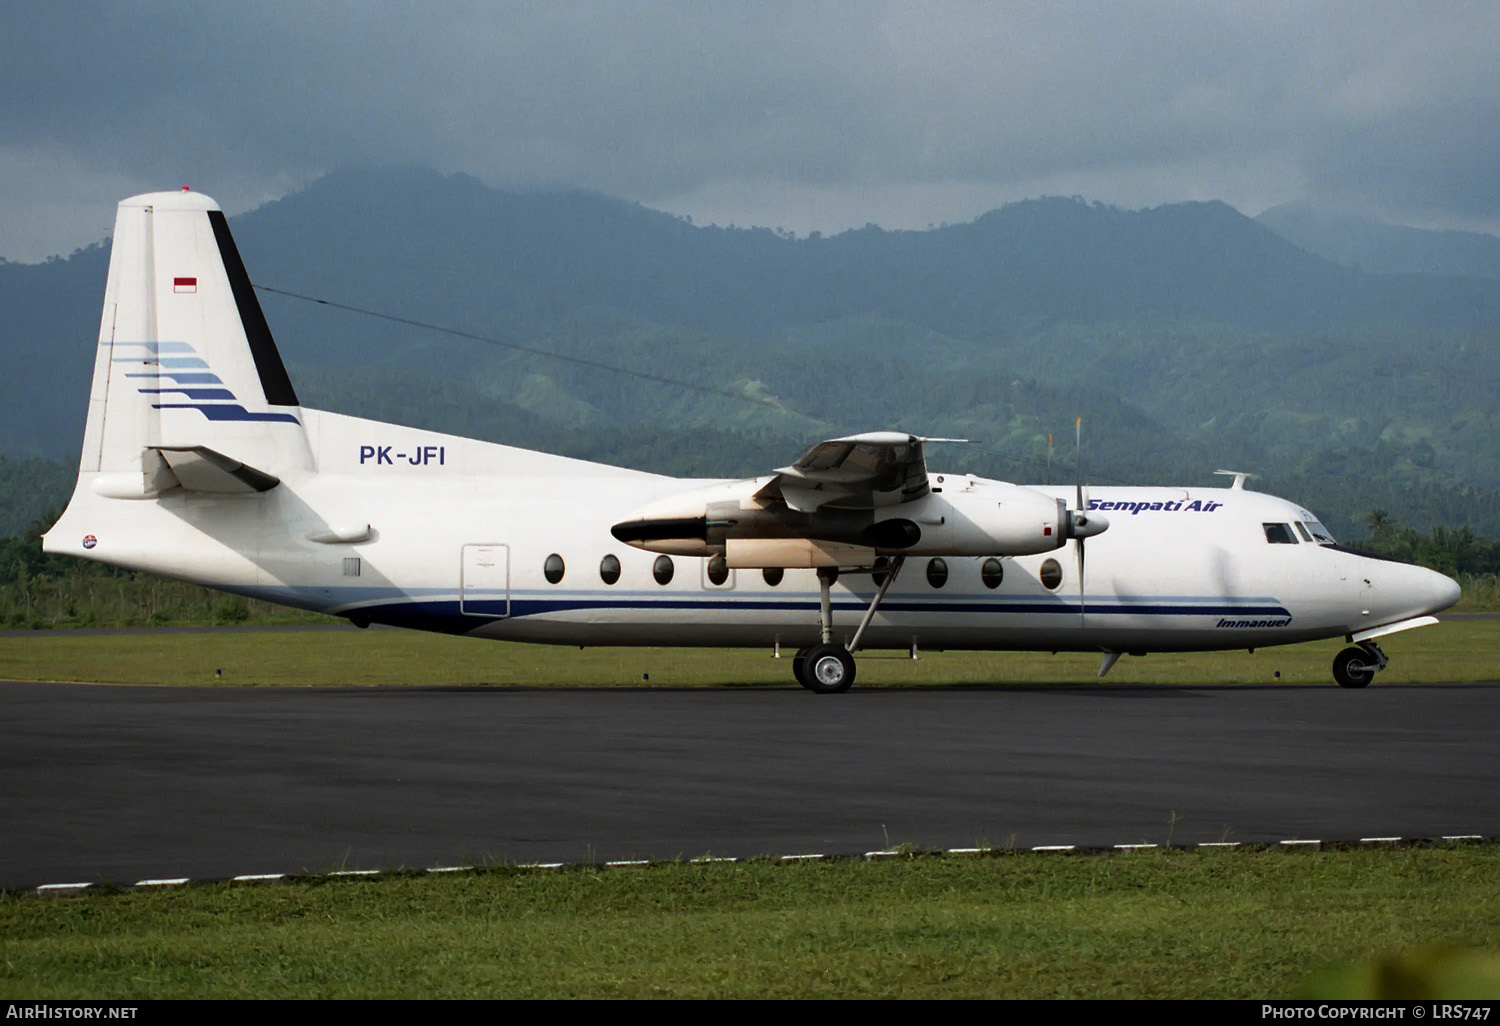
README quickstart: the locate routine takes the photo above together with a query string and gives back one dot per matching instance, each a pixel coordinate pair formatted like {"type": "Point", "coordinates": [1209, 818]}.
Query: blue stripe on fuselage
{"type": "Point", "coordinates": [446, 615]}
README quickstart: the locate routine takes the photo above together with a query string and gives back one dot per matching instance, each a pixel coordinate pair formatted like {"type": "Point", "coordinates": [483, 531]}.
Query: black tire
{"type": "Point", "coordinates": [1352, 669]}
{"type": "Point", "coordinates": [799, 665]}
{"type": "Point", "coordinates": [828, 670]}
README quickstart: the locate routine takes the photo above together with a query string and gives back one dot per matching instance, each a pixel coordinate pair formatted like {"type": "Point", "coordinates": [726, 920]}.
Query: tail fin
{"type": "Point", "coordinates": [187, 375]}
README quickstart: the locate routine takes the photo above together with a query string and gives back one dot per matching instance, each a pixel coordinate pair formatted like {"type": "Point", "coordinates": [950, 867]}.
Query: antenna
{"type": "Point", "coordinates": [1239, 478]}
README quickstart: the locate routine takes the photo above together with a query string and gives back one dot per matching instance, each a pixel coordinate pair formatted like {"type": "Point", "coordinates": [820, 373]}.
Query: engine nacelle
{"type": "Point", "coordinates": [970, 517]}
{"type": "Point", "coordinates": [977, 517]}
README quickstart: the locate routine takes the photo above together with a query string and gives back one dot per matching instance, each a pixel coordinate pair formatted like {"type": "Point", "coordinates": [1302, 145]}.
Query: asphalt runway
{"type": "Point", "coordinates": [113, 783]}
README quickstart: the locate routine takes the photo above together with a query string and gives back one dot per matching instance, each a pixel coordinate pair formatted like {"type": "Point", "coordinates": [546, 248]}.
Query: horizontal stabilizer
{"type": "Point", "coordinates": [189, 468]}
{"type": "Point", "coordinates": [200, 469]}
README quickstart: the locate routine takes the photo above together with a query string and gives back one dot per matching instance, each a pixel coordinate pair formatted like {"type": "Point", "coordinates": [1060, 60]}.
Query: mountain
{"type": "Point", "coordinates": [1188, 336]}
{"type": "Point", "coordinates": [1367, 244]}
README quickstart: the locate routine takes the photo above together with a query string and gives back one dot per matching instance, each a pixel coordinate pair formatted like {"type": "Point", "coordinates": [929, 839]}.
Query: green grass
{"type": "Point", "coordinates": [1166, 924]}
{"type": "Point", "coordinates": [1456, 650]}
{"type": "Point", "coordinates": [1481, 593]}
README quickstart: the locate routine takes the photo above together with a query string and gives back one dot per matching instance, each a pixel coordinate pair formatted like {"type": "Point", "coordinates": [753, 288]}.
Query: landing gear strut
{"type": "Point", "coordinates": [1355, 667]}
{"type": "Point", "coordinates": [828, 668]}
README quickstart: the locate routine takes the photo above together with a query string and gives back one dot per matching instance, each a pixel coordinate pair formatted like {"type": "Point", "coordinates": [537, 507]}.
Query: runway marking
{"type": "Point", "coordinates": [869, 856]}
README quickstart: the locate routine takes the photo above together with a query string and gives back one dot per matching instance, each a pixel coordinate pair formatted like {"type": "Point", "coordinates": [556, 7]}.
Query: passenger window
{"type": "Point", "coordinates": [937, 573]}
{"type": "Point", "coordinates": [718, 570]}
{"type": "Point", "coordinates": [991, 573]}
{"type": "Point", "coordinates": [1280, 534]}
{"type": "Point", "coordinates": [609, 569]}
{"type": "Point", "coordinates": [553, 568]}
{"type": "Point", "coordinates": [662, 569]}
{"type": "Point", "coordinates": [773, 575]}
{"type": "Point", "coordinates": [1051, 575]}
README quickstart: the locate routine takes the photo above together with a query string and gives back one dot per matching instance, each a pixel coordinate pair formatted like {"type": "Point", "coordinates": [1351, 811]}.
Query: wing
{"type": "Point", "coordinates": [878, 468]}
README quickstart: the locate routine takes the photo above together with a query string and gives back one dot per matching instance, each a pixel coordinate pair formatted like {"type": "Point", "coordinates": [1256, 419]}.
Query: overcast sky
{"type": "Point", "coordinates": [800, 115]}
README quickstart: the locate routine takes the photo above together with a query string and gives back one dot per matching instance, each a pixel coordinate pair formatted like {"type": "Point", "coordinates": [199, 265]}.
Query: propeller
{"type": "Point", "coordinates": [1081, 523]}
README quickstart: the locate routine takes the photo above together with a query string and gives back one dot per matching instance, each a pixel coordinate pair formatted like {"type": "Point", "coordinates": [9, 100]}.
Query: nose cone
{"type": "Point", "coordinates": [1395, 590]}
{"type": "Point", "coordinates": [1440, 591]}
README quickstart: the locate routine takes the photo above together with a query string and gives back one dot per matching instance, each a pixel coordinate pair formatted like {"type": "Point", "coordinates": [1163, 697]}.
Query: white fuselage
{"type": "Point", "coordinates": [442, 533]}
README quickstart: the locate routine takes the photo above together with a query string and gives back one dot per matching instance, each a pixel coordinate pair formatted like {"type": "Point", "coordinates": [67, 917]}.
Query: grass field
{"type": "Point", "coordinates": [1166, 924]}
{"type": "Point", "coordinates": [1455, 650]}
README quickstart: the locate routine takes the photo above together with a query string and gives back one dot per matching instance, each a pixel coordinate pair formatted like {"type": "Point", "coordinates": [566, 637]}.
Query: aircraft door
{"type": "Point", "coordinates": [484, 580]}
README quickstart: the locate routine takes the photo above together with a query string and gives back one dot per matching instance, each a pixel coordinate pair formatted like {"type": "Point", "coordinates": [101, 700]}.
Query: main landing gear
{"type": "Point", "coordinates": [824, 669]}
{"type": "Point", "coordinates": [1355, 667]}
{"type": "Point", "coordinates": [828, 668]}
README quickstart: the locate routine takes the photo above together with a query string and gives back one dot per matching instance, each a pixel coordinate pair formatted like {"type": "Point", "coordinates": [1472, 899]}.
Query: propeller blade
{"type": "Point", "coordinates": [1078, 460]}
{"type": "Point", "coordinates": [1082, 606]}
{"type": "Point", "coordinates": [1078, 511]}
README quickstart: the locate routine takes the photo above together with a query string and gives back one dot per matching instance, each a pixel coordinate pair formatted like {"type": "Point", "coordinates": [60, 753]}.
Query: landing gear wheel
{"type": "Point", "coordinates": [1352, 668]}
{"type": "Point", "coordinates": [799, 665]}
{"type": "Point", "coordinates": [827, 669]}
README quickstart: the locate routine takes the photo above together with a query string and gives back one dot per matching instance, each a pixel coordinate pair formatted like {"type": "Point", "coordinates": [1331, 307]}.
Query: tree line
{"type": "Point", "coordinates": [1455, 551]}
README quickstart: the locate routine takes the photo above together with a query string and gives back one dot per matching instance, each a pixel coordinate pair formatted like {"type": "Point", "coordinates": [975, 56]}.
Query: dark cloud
{"type": "Point", "coordinates": [797, 114]}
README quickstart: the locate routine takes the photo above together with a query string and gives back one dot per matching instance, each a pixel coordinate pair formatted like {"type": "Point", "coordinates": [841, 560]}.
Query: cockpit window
{"type": "Point", "coordinates": [1302, 530]}
{"type": "Point", "coordinates": [1280, 534]}
{"type": "Point", "coordinates": [1318, 531]}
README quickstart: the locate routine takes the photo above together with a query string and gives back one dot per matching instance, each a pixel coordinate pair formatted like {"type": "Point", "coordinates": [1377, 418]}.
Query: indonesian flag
{"type": "Point", "coordinates": [184, 284]}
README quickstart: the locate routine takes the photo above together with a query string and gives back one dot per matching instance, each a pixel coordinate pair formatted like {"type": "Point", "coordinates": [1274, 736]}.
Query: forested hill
{"type": "Point", "coordinates": [1372, 245]}
{"type": "Point", "coordinates": [1188, 336]}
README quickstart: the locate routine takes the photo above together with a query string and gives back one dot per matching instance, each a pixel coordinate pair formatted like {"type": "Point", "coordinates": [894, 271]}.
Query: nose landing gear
{"type": "Point", "coordinates": [1356, 666]}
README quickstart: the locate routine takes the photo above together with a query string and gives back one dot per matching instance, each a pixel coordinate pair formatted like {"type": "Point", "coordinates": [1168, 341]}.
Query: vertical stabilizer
{"type": "Point", "coordinates": [185, 359]}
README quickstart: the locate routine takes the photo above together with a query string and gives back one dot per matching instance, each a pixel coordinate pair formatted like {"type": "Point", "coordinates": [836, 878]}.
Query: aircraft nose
{"type": "Point", "coordinates": [1440, 591]}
